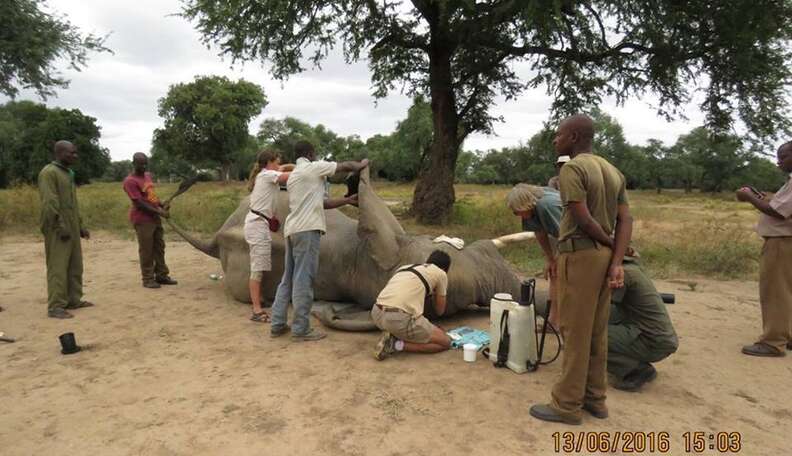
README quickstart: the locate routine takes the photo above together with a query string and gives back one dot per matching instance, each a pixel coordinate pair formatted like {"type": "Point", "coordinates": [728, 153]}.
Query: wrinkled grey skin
{"type": "Point", "coordinates": [357, 257]}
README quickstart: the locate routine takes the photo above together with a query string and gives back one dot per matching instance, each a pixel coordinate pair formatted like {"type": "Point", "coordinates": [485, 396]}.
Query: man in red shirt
{"type": "Point", "coordinates": [145, 216]}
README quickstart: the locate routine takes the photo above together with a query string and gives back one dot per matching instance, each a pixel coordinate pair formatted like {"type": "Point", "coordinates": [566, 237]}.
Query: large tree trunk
{"type": "Point", "coordinates": [225, 171]}
{"type": "Point", "coordinates": [434, 196]}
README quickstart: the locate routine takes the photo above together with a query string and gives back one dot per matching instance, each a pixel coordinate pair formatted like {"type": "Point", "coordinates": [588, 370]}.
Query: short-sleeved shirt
{"type": "Point", "coordinates": [405, 290]}
{"type": "Point", "coordinates": [591, 179]}
{"type": "Point", "coordinates": [546, 215]}
{"type": "Point", "coordinates": [306, 188]}
{"type": "Point", "coordinates": [781, 202]}
{"type": "Point", "coordinates": [262, 198]}
{"type": "Point", "coordinates": [141, 188]}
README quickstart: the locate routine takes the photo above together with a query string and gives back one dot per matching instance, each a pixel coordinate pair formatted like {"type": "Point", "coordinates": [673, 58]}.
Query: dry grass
{"type": "Point", "coordinates": [677, 234]}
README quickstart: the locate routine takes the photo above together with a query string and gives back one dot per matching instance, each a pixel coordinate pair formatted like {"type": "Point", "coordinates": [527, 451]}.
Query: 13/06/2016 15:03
{"type": "Point", "coordinates": [646, 442]}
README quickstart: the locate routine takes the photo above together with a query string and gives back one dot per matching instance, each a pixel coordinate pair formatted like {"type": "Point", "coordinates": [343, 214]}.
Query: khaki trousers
{"type": "Point", "coordinates": [64, 269]}
{"type": "Point", "coordinates": [151, 249]}
{"type": "Point", "coordinates": [584, 306]}
{"type": "Point", "coordinates": [775, 291]}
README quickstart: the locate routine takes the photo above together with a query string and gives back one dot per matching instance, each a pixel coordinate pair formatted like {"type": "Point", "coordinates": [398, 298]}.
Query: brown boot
{"type": "Point", "coordinates": [760, 349]}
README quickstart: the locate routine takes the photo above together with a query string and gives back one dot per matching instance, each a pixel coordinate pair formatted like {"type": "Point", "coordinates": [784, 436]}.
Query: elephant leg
{"type": "Point", "coordinates": [343, 316]}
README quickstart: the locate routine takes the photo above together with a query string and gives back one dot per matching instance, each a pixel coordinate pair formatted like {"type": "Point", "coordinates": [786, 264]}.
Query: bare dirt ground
{"type": "Point", "coordinates": [181, 370]}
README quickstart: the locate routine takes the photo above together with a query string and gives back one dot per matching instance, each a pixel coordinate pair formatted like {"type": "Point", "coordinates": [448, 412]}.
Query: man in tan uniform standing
{"type": "Point", "coordinates": [62, 228]}
{"type": "Point", "coordinates": [589, 265]}
{"type": "Point", "coordinates": [775, 266]}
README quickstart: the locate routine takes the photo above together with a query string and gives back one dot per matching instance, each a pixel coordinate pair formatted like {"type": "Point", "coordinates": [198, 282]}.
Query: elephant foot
{"type": "Point", "coordinates": [343, 316]}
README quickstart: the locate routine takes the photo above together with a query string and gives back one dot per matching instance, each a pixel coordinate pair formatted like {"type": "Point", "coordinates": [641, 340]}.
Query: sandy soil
{"type": "Point", "coordinates": [181, 370]}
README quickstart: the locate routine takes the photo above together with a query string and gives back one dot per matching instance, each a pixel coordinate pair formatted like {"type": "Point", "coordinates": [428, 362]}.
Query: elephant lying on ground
{"type": "Point", "coordinates": [357, 257]}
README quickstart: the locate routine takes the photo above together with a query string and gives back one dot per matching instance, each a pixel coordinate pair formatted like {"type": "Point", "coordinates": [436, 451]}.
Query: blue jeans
{"type": "Point", "coordinates": [300, 267]}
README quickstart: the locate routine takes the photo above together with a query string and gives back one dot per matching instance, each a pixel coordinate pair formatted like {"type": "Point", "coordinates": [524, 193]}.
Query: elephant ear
{"type": "Point", "coordinates": [378, 229]}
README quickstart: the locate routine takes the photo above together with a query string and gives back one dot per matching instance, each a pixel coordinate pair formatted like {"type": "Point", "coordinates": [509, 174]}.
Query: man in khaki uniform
{"type": "Point", "coordinates": [640, 331]}
{"type": "Point", "coordinates": [400, 307]}
{"type": "Point", "coordinates": [589, 265]}
{"type": "Point", "coordinates": [775, 266]}
{"type": "Point", "coordinates": [62, 228]}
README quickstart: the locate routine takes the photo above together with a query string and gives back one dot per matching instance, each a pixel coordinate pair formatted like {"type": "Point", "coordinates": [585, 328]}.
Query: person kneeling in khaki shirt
{"type": "Point", "coordinates": [399, 311]}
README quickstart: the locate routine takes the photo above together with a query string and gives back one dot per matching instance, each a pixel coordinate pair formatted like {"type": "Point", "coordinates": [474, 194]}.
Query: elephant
{"type": "Point", "coordinates": [358, 257]}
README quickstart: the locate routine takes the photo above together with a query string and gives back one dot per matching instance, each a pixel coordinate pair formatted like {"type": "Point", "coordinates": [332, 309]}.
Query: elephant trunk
{"type": "Point", "coordinates": [210, 248]}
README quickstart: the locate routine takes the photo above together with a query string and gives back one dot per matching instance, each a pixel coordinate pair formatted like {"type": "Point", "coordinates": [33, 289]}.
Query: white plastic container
{"type": "Point", "coordinates": [498, 303]}
{"type": "Point", "coordinates": [470, 351]}
{"type": "Point", "coordinates": [522, 344]}
{"type": "Point", "coordinates": [522, 331]}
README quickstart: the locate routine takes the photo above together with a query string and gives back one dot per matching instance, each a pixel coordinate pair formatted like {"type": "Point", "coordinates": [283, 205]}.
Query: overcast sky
{"type": "Point", "coordinates": [153, 49]}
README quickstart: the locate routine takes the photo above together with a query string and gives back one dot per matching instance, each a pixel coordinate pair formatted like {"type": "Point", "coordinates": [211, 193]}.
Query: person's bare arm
{"type": "Point", "coordinates": [624, 223]}
{"type": "Point", "coordinates": [440, 304]}
{"type": "Point", "coordinates": [586, 222]}
{"type": "Point", "coordinates": [284, 177]}
{"type": "Point", "coordinates": [333, 203]}
{"type": "Point", "coordinates": [287, 168]}
{"type": "Point", "coordinates": [150, 208]}
{"type": "Point", "coordinates": [550, 261]}
{"type": "Point", "coordinates": [763, 205]}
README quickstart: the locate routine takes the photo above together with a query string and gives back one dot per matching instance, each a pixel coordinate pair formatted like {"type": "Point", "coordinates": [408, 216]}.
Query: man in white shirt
{"type": "Point", "coordinates": [302, 231]}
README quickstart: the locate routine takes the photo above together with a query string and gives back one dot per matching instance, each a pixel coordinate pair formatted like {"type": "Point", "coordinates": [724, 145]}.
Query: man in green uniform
{"type": "Point", "coordinates": [639, 330]}
{"type": "Point", "coordinates": [589, 265]}
{"type": "Point", "coordinates": [62, 229]}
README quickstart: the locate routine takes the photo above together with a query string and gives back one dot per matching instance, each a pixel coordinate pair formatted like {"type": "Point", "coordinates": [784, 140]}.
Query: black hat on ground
{"type": "Point", "coordinates": [68, 344]}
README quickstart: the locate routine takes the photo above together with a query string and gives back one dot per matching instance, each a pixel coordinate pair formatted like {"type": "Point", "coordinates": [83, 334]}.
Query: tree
{"type": "Point", "coordinates": [28, 132]}
{"type": "Point", "coordinates": [609, 141]}
{"type": "Point", "coordinates": [117, 171]}
{"type": "Point", "coordinates": [655, 153]}
{"type": "Point", "coordinates": [759, 173]}
{"type": "Point", "coordinates": [31, 41]}
{"type": "Point", "coordinates": [461, 54]}
{"type": "Point", "coordinates": [282, 134]}
{"type": "Point", "coordinates": [206, 121]}
{"type": "Point", "coordinates": [405, 153]}
{"type": "Point", "coordinates": [719, 156]}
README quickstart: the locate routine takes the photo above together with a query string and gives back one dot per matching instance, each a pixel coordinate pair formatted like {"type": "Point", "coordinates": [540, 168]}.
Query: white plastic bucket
{"type": "Point", "coordinates": [469, 352]}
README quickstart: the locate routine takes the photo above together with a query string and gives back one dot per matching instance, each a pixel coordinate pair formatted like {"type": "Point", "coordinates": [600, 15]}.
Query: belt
{"type": "Point", "coordinates": [575, 244]}
{"type": "Point", "coordinates": [388, 309]}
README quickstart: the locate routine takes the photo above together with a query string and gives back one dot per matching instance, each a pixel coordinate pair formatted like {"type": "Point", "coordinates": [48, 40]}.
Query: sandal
{"type": "Point", "coordinates": [260, 317]}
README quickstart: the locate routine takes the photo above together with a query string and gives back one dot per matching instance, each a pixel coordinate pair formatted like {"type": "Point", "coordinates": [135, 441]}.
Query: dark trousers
{"type": "Point", "coordinates": [629, 349]}
{"type": "Point", "coordinates": [151, 249]}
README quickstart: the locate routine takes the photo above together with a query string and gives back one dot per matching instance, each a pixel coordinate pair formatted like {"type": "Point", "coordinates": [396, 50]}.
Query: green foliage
{"type": "Point", "coordinates": [400, 156]}
{"type": "Point", "coordinates": [463, 55]}
{"type": "Point", "coordinates": [719, 157]}
{"type": "Point", "coordinates": [29, 130]}
{"type": "Point", "coordinates": [700, 159]}
{"type": "Point", "coordinates": [580, 51]}
{"type": "Point", "coordinates": [117, 171]}
{"type": "Point", "coordinates": [31, 41]}
{"type": "Point", "coordinates": [283, 134]}
{"type": "Point", "coordinates": [206, 121]}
